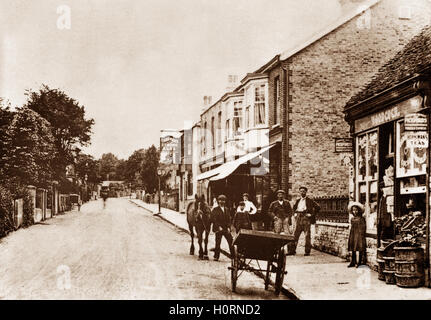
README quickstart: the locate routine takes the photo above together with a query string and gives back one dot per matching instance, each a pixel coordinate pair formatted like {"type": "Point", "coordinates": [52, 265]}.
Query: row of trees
{"type": "Point", "coordinates": [40, 139]}
{"type": "Point", "coordinates": [37, 142]}
{"type": "Point", "coordinates": [139, 170]}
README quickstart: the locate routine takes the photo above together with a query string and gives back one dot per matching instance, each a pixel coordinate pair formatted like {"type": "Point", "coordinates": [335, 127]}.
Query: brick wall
{"type": "Point", "coordinates": [331, 237]}
{"type": "Point", "coordinates": [323, 78]}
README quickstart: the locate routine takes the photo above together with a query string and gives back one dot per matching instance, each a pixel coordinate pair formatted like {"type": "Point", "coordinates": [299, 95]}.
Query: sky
{"type": "Point", "coordinates": [140, 66]}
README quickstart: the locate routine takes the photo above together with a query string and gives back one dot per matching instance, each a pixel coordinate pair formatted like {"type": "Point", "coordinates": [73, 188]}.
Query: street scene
{"type": "Point", "coordinates": [229, 150]}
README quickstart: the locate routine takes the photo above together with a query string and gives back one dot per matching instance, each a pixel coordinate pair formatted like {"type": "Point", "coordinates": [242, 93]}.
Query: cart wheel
{"type": "Point", "coordinates": [281, 267]}
{"type": "Point", "coordinates": [268, 274]}
{"type": "Point", "coordinates": [234, 269]}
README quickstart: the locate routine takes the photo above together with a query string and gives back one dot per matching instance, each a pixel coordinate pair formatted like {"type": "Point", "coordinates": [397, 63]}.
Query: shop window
{"type": "Point", "coordinates": [411, 155]}
{"type": "Point", "coordinates": [367, 182]}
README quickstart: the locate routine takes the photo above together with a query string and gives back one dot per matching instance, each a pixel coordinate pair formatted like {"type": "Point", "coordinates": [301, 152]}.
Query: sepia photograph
{"type": "Point", "coordinates": [195, 151]}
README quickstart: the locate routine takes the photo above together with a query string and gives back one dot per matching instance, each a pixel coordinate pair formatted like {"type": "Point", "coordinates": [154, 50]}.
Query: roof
{"type": "Point", "coordinates": [332, 27]}
{"type": "Point", "coordinates": [413, 59]}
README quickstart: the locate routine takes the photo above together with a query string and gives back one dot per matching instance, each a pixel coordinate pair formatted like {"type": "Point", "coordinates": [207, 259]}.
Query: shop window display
{"type": "Point", "coordinates": [367, 168]}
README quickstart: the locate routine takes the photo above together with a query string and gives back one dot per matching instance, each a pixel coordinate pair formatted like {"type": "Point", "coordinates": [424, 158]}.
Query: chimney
{"type": "Point", "coordinates": [232, 82]}
{"type": "Point", "coordinates": [207, 102]}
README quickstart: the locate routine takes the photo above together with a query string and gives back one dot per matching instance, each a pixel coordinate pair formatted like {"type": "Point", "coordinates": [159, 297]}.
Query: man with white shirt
{"type": "Point", "coordinates": [305, 212]}
{"type": "Point", "coordinates": [251, 209]}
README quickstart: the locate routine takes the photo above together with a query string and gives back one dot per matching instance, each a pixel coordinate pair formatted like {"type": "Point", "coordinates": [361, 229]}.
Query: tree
{"type": "Point", "coordinates": [86, 168]}
{"type": "Point", "coordinates": [108, 166]}
{"type": "Point", "coordinates": [67, 118]}
{"type": "Point", "coordinates": [149, 169]}
{"type": "Point", "coordinates": [6, 117]}
{"type": "Point", "coordinates": [29, 147]}
{"type": "Point", "coordinates": [133, 167]}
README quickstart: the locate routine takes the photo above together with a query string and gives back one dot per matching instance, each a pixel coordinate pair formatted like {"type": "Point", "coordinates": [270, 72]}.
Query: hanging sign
{"type": "Point", "coordinates": [343, 145]}
{"type": "Point", "coordinates": [415, 122]}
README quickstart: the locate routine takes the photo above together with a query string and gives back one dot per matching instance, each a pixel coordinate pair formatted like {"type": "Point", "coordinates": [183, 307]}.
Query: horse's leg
{"type": "Point", "coordinates": [201, 251]}
{"type": "Point", "coordinates": [192, 246]}
{"type": "Point", "coordinates": [206, 245]}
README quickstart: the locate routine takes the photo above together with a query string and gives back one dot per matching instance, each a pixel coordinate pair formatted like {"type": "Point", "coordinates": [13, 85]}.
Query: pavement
{"type": "Point", "coordinates": [320, 276]}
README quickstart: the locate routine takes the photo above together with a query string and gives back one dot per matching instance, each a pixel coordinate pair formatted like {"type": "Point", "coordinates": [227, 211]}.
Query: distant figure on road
{"type": "Point", "coordinates": [221, 225]}
{"type": "Point", "coordinates": [305, 213]}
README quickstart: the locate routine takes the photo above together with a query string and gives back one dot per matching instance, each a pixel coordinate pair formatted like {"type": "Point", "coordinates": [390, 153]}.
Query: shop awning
{"type": "Point", "coordinates": [228, 168]}
{"type": "Point", "coordinates": [210, 173]}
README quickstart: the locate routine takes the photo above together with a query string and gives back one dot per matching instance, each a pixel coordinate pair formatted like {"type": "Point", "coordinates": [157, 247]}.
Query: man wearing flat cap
{"type": "Point", "coordinates": [221, 219]}
{"type": "Point", "coordinates": [305, 212]}
{"type": "Point", "coordinates": [281, 212]}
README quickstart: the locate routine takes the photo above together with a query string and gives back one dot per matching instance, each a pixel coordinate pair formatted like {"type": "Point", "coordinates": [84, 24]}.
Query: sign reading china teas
{"type": "Point", "coordinates": [417, 139]}
{"type": "Point", "coordinates": [389, 114]}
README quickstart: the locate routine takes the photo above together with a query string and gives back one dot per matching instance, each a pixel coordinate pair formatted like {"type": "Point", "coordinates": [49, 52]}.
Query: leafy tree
{"type": "Point", "coordinates": [108, 166]}
{"type": "Point", "coordinates": [29, 146]}
{"type": "Point", "coordinates": [149, 169]}
{"type": "Point", "coordinates": [86, 168]}
{"type": "Point", "coordinates": [133, 167]}
{"type": "Point", "coordinates": [69, 125]}
{"type": "Point", "coordinates": [6, 117]}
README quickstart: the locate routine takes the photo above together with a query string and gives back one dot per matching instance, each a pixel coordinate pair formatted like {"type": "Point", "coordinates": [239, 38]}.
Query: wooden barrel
{"type": "Point", "coordinates": [389, 271]}
{"type": "Point", "coordinates": [381, 263]}
{"type": "Point", "coordinates": [409, 267]}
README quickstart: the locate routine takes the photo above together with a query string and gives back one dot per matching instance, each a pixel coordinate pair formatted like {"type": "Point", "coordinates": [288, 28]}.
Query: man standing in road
{"type": "Point", "coordinates": [221, 218]}
{"type": "Point", "coordinates": [251, 209]}
{"type": "Point", "coordinates": [281, 212]}
{"type": "Point", "coordinates": [305, 213]}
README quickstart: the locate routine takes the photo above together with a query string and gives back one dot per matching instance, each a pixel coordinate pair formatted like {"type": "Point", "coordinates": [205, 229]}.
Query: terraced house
{"type": "Point", "coordinates": [291, 113]}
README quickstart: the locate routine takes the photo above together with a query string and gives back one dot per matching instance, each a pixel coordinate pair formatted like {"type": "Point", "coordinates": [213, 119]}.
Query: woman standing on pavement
{"type": "Point", "coordinates": [357, 234]}
{"type": "Point", "coordinates": [251, 209]}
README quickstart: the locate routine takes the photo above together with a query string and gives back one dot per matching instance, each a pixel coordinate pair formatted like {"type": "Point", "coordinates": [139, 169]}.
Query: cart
{"type": "Point", "coordinates": [253, 245]}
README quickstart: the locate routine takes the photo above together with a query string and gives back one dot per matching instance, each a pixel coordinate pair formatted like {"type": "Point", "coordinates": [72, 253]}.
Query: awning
{"type": "Point", "coordinates": [228, 168]}
{"type": "Point", "coordinates": [210, 173]}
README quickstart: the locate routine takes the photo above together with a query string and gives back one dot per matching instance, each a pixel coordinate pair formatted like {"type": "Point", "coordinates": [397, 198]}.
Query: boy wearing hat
{"type": "Point", "coordinates": [242, 218]}
{"type": "Point", "coordinates": [281, 211]}
{"type": "Point", "coordinates": [221, 225]}
{"type": "Point", "coordinates": [305, 212]}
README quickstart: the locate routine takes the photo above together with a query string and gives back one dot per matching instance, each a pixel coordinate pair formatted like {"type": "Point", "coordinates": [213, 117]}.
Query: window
{"type": "Point", "coordinates": [228, 131]}
{"type": "Point", "coordinates": [204, 139]}
{"type": "Point", "coordinates": [237, 118]}
{"type": "Point", "coordinates": [219, 129]}
{"type": "Point", "coordinates": [259, 105]}
{"type": "Point", "coordinates": [247, 117]}
{"type": "Point", "coordinates": [277, 107]}
{"type": "Point", "coordinates": [212, 133]}
{"type": "Point", "coordinates": [367, 168]}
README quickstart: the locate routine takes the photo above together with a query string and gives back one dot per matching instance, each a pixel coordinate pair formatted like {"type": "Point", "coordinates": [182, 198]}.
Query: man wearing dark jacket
{"type": "Point", "coordinates": [305, 212]}
{"type": "Point", "coordinates": [281, 212]}
{"type": "Point", "coordinates": [221, 218]}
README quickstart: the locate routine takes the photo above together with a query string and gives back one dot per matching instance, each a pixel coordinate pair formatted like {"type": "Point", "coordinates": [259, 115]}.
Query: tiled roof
{"type": "Point", "coordinates": [414, 58]}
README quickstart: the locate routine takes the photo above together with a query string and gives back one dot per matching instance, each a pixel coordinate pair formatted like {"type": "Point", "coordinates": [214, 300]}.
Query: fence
{"type": "Point", "coordinates": [333, 209]}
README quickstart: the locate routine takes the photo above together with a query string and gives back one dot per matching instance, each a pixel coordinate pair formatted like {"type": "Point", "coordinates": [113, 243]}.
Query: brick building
{"type": "Point", "coordinates": [310, 84]}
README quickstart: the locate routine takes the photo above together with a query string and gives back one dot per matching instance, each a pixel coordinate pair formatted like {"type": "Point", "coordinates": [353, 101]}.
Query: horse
{"type": "Point", "coordinates": [199, 218]}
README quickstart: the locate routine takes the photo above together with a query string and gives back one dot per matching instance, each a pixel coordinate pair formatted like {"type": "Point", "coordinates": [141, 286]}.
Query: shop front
{"type": "Point", "coordinates": [391, 174]}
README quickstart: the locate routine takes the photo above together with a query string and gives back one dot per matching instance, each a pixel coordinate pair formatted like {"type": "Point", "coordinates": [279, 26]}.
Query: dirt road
{"type": "Point", "coordinates": [120, 252]}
